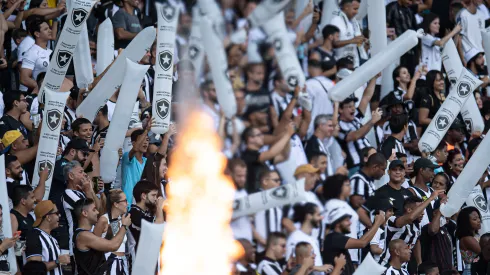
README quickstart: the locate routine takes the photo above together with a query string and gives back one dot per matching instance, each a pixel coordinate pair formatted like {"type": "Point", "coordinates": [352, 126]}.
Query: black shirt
{"type": "Point", "coordinates": [333, 246]}
{"type": "Point", "coordinates": [397, 197]}
{"type": "Point", "coordinates": [391, 143]}
{"type": "Point", "coordinates": [437, 248]}
{"type": "Point", "coordinates": [480, 267]}
{"type": "Point", "coordinates": [8, 123]}
{"type": "Point", "coordinates": [138, 214]}
{"type": "Point", "coordinates": [89, 261]}
{"type": "Point", "coordinates": [254, 166]}
{"type": "Point", "coordinates": [58, 186]}
{"type": "Point", "coordinates": [313, 147]}
{"type": "Point", "coordinates": [431, 102]}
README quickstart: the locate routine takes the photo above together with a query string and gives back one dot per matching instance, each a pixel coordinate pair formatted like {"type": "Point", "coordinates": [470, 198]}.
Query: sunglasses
{"type": "Point", "coordinates": [125, 201]}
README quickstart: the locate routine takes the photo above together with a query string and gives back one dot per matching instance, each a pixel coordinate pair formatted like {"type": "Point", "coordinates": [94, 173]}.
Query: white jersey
{"type": "Point", "coordinates": [318, 88]}
{"type": "Point", "coordinates": [37, 60]}
{"type": "Point", "coordinates": [300, 236]}
{"type": "Point", "coordinates": [431, 53]}
{"type": "Point", "coordinates": [472, 25]}
{"type": "Point", "coordinates": [24, 46]}
{"type": "Point", "coordinates": [347, 32]}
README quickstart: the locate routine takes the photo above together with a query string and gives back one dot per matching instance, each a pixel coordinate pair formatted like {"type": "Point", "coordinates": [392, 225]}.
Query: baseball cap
{"type": "Point", "coordinates": [337, 214]}
{"type": "Point", "coordinates": [10, 136]}
{"type": "Point", "coordinates": [424, 163]}
{"type": "Point", "coordinates": [384, 204]}
{"type": "Point", "coordinates": [457, 124]}
{"type": "Point", "coordinates": [327, 63]}
{"type": "Point", "coordinates": [78, 144]}
{"type": "Point", "coordinates": [343, 73]}
{"type": "Point", "coordinates": [42, 209]}
{"type": "Point", "coordinates": [349, 99]}
{"type": "Point", "coordinates": [305, 168]}
{"type": "Point", "coordinates": [396, 163]}
{"type": "Point", "coordinates": [472, 53]}
{"type": "Point", "coordinates": [390, 100]}
{"type": "Point", "coordinates": [74, 92]}
{"type": "Point", "coordinates": [255, 108]}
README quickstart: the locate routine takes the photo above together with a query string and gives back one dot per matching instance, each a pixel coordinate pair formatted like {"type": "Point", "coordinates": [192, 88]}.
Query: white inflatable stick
{"type": "Point", "coordinates": [285, 53]}
{"type": "Point", "coordinates": [54, 107]}
{"type": "Point", "coordinates": [377, 26]}
{"type": "Point", "coordinates": [195, 51]}
{"type": "Point", "coordinates": [330, 9]}
{"type": "Point", "coordinates": [120, 119]}
{"type": "Point", "coordinates": [148, 248]}
{"type": "Point", "coordinates": [82, 60]}
{"type": "Point", "coordinates": [265, 11]}
{"type": "Point", "coordinates": [279, 196]}
{"type": "Point", "coordinates": [486, 46]}
{"type": "Point", "coordinates": [374, 65]}
{"type": "Point", "coordinates": [219, 68]}
{"type": "Point", "coordinates": [369, 266]}
{"type": "Point", "coordinates": [211, 9]}
{"type": "Point", "coordinates": [468, 178]}
{"type": "Point", "coordinates": [67, 43]}
{"type": "Point", "coordinates": [445, 116]}
{"type": "Point", "coordinates": [477, 200]}
{"type": "Point", "coordinates": [112, 80]}
{"type": "Point", "coordinates": [6, 223]}
{"type": "Point", "coordinates": [105, 46]}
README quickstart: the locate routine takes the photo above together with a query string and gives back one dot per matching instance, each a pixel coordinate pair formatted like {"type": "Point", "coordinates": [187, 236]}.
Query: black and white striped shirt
{"type": "Point", "coordinates": [362, 185]}
{"type": "Point", "coordinates": [266, 222]}
{"type": "Point", "coordinates": [269, 267]}
{"type": "Point", "coordinates": [408, 233]}
{"type": "Point", "coordinates": [391, 143]}
{"type": "Point", "coordinates": [68, 199]}
{"type": "Point", "coordinates": [429, 209]}
{"type": "Point", "coordinates": [352, 148]}
{"type": "Point", "coordinates": [70, 116]}
{"type": "Point", "coordinates": [393, 271]}
{"type": "Point", "coordinates": [41, 244]}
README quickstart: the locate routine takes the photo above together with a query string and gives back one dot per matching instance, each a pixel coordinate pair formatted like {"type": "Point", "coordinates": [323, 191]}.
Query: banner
{"type": "Point", "coordinates": [449, 110]}
{"type": "Point", "coordinates": [477, 200]}
{"type": "Point", "coordinates": [485, 35]}
{"type": "Point", "coordinates": [116, 133]}
{"type": "Point", "coordinates": [105, 46]}
{"type": "Point", "coordinates": [54, 108]}
{"type": "Point", "coordinates": [195, 51]}
{"type": "Point", "coordinates": [468, 178]}
{"type": "Point", "coordinates": [453, 66]}
{"type": "Point", "coordinates": [148, 249]}
{"type": "Point", "coordinates": [112, 80]}
{"type": "Point", "coordinates": [266, 10]}
{"type": "Point", "coordinates": [374, 65]}
{"type": "Point", "coordinates": [219, 67]}
{"type": "Point", "coordinates": [67, 43]}
{"type": "Point", "coordinates": [82, 60]}
{"type": "Point", "coordinates": [370, 266]}
{"type": "Point", "coordinates": [285, 54]}
{"type": "Point", "coordinates": [168, 16]}
{"type": "Point", "coordinates": [6, 223]}
{"type": "Point", "coordinates": [283, 195]}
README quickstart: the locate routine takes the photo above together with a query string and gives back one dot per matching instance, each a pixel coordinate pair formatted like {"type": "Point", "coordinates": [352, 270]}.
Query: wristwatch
{"type": "Point", "coordinates": [57, 262]}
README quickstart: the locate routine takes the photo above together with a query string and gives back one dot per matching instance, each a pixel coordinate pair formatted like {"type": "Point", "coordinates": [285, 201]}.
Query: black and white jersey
{"type": "Point", "coordinates": [362, 185]}
{"type": "Point", "coordinates": [40, 243]}
{"type": "Point", "coordinates": [408, 233]}
{"type": "Point", "coordinates": [269, 267]}
{"type": "Point", "coordinates": [393, 271]}
{"type": "Point", "coordinates": [391, 143]}
{"type": "Point", "coordinates": [68, 199]}
{"type": "Point", "coordinates": [137, 217]}
{"type": "Point", "coordinates": [353, 149]}
{"type": "Point", "coordinates": [429, 209]}
{"type": "Point", "coordinates": [266, 222]}
{"type": "Point", "coordinates": [70, 116]}
{"type": "Point", "coordinates": [99, 133]}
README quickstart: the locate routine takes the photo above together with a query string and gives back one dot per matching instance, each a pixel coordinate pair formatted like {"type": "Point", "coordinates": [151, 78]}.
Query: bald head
{"type": "Point", "coordinates": [396, 245]}
{"type": "Point", "coordinates": [302, 249]}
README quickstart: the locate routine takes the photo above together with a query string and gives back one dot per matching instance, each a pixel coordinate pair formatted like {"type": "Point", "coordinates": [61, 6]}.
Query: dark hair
{"type": "Point", "coordinates": [20, 192]}
{"type": "Point", "coordinates": [247, 133]}
{"type": "Point", "coordinates": [9, 159]}
{"type": "Point", "coordinates": [80, 205]}
{"type": "Point", "coordinates": [398, 122]}
{"type": "Point", "coordinates": [430, 78]}
{"type": "Point", "coordinates": [445, 176]}
{"type": "Point", "coordinates": [300, 211]}
{"type": "Point", "coordinates": [75, 125]}
{"type": "Point", "coordinates": [136, 134]}
{"type": "Point", "coordinates": [18, 34]}
{"type": "Point", "coordinates": [316, 155]}
{"type": "Point", "coordinates": [411, 201]}
{"type": "Point", "coordinates": [426, 267]}
{"type": "Point", "coordinates": [441, 146]}
{"type": "Point", "coordinates": [344, 62]}
{"type": "Point", "coordinates": [143, 187]}
{"type": "Point", "coordinates": [104, 110]}
{"type": "Point", "coordinates": [396, 73]}
{"type": "Point", "coordinates": [9, 99]}
{"type": "Point", "coordinates": [35, 25]}
{"type": "Point", "coordinates": [329, 30]}
{"type": "Point", "coordinates": [33, 19]}
{"type": "Point", "coordinates": [365, 152]}
{"type": "Point", "coordinates": [334, 184]}
{"type": "Point", "coordinates": [376, 159]}
{"type": "Point", "coordinates": [273, 237]}
{"type": "Point", "coordinates": [463, 225]}
{"type": "Point", "coordinates": [451, 155]}
{"type": "Point", "coordinates": [265, 172]}
{"type": "Point", "coordinates": [428, 19]}
{"type": "Point", "coordinates": [400, 155]}
{"type": "Point", "coordinates": [344, 2]}
{"type": "Point", "coordinates": [35, 4]}
{"type": "Point", "coordinates": [235, 162]}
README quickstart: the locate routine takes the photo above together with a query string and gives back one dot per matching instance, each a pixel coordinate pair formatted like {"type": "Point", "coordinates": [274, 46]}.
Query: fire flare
{"type": "Point", "coordinates": [198, 238]}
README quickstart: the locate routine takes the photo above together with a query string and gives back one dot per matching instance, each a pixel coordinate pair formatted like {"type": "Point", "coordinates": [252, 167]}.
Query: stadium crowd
{"type": "Point", "coordinates": [369, 189]}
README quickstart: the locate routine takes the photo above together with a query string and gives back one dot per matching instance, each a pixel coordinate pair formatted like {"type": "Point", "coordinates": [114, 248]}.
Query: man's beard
{"type": "Point", "coordinates": [18, 177]}
{"type": "Point", "coordinates": [345, 230]}
{"type": "Point", "coordinates": [152, 207]}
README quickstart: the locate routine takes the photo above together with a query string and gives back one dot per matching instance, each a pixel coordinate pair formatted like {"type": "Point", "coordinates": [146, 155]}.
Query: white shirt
{"type": "Point", "coordinates": [377, 241]}
{"type": "Point", "coordinates": [242, 227]}
{"type": "Point", "coordinates": [37, 60]}
{"type": "Point", "coordinates": [319, 97]}
{"type": "Point", "coordinates": [296, 158]}
{"type": "Point", "coordinates": [431, 53]}
{"type": "Point", "coordinates": [472, 25]}
{"type": "Point", "coordinates": [300, 236]}
{"type": "Point", "coordinates": [347, 32]}
{"type": "Point", "coordinates": [24, 46]}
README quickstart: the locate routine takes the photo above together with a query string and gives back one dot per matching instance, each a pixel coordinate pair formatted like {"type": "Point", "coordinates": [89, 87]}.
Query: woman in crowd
{"type": "Point", "coordinates": [468, 224]}
{"type": "Point", "coordinates": [108, 226]}
{"type": "Point", "coordinates": [454, 165]}
{"type": "Point", "coordinates": [430, 103]}
{"type": "Point", "coordinates": [404, 84]}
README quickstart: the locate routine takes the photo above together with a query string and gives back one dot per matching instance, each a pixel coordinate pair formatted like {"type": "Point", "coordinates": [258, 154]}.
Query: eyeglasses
{"type": "Point", "coordinates": [122, 201]}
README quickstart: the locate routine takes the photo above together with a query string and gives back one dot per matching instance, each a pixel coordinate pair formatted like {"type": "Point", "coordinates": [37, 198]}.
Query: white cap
{"type": "Point", "coordinates": [337, 214]}
{"type": "Point", "coordinates": [471, 54]}
{"type": "Point", "coordinates": [344, 73]}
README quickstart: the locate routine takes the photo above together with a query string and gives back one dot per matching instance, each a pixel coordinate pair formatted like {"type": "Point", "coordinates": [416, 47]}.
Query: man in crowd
{"type": "Point", "coordinates": [16, 115]}
{"type": "Point", "coordinates": [134, 161]}
{"type": "Point", "coordinates": [21, 220]}
{"type": "Point", "coordinates": [400, 255]}
{"type": "Point", "coordinates": [40, 245]}
{"type": "Point", "coordinates": [424, 174]}
{"type": "Point", "coordinates": [242, 227]}
{"type": "Point", "coordinates": [323, 129]}
{"type": "Point", "coordinates": [275, 251]}
{"type": "Point", "coordinates": [394, 142]}
{"type": "Point", "coordinates": [126, 24]}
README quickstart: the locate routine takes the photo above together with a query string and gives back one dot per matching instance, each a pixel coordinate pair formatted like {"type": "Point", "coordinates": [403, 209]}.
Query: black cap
{"type": "Point", "coordinates": [396, 163]}
{"type": "Point", "coordinates": [424, 163]}
{"type": "Point", "coordinates": [78, 144]}
{"type": "Point", "coordinates": [349, 99]}
{"type": "Point", "coordinates": [74, 92]}
{"type": "Point", "coordinates": [473, 144]}
{"type": "Point", "coordinates": [255, 108]}
{"type": "Point", "coordinates": [327, 63]}
{"type": "Point", "coordinates": [457, 124]}
{"type": "Point", "coordinates": [384, 204]}
{"type": "Point", "coordinates": [390, 100]}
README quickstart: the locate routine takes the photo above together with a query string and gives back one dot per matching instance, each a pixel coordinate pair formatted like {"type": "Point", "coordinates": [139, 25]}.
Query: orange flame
{"type": "Point", "coordinates": [198, 238]}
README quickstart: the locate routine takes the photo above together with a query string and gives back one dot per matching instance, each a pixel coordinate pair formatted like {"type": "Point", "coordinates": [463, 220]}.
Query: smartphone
{"type": "Point", "coordinates": [95, 184]}
{"type": "Point", "coordinates": [17, 234]}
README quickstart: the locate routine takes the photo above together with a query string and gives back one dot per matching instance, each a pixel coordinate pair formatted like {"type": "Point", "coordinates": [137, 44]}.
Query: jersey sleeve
{"type": "Point", "coordinates": [426, 102]}
{"type": "Point", "coordinates": [29, 60]}
{"type": "Point", "coordinates": [118, 20]}
{"type": "Point", "coordinates": [33, 245]}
